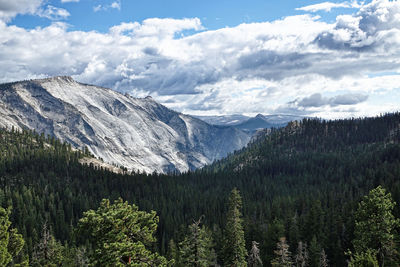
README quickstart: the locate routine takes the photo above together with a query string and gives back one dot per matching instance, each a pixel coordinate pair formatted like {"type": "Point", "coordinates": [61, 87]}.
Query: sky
{"type": "Point", "coordinates": [333, 59]}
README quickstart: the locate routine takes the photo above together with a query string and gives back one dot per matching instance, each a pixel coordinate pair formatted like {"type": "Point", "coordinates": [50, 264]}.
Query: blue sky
{"type": "Point", "coordinates": [329, 59]}
{"type": "Point", "coordinates": [214, 14]}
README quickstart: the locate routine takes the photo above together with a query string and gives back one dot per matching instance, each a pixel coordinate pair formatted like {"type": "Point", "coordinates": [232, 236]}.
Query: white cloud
{"type": "Point", "coordinates": [97, 8]}
{"type": "Point", "coordinates": [116, 5]}
{"type": "Point", "coordinates": [252, 68]}
{"type": "Point", "coordinates": [328, 6]}
{"type": "Point", "coordinates": [113, 5]}
{"type": "Point", "coordinates": [53, 13]}
{"type": "Point", "coordinates": [67, 1]}
{"type": "Point", "coordinates": [10, 8]}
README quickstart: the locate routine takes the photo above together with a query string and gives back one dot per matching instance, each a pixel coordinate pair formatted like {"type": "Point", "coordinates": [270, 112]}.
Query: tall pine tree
{"type": "Point", "coordinates": [234, 245]}
{"type": "Point", "coordinates": [48, 252]}
{"type": "Point", "coordinates": [375, 226]}
{"type": "Point", "coordinates": [197, 249]}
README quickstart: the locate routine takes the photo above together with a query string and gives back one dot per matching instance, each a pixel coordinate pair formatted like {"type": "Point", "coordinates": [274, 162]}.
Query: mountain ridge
{"type": "Point", "coordinates": [139, 134]}
{"type": "Point", "coordinates": [313, 136]}
{"type": "Point", "coordinates": [252, 124]}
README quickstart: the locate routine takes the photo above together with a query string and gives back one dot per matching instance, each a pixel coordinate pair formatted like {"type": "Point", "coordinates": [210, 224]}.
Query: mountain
{"type": "Point", "coordinates": [139, 134]}
{"type": "Point", "coordinates": [266, 121]}
{"type": "Point", "coordinates": [224, 120]}
{"type": "Point", "coordinates": [251, 124]}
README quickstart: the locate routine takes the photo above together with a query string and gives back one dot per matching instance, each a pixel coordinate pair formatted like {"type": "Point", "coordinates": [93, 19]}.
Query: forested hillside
{"type": "Point", "coordinates": [299, 185]}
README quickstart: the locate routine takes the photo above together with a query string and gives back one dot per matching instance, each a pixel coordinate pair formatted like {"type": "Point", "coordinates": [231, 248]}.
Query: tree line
{"type": "Point", "coordinates": [119, 234]}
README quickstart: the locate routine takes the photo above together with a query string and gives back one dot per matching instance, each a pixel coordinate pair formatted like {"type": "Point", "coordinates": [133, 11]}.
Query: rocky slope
{"type": "Point", "coordinates": [139, 134]}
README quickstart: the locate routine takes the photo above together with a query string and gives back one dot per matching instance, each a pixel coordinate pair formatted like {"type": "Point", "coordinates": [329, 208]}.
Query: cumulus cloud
{"type": "Point", "coordinates": [9, 9]}
{"type": "Point", "coordinates": [251, 68]}
{"type": "Point", "coordinates": [375, 26]}
{"type": "Point", "coordinates": [328, 6]}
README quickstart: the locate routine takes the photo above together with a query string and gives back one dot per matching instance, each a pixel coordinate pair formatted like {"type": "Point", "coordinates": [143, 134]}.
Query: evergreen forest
{"type": "Point", "coordinates": [314, 193]}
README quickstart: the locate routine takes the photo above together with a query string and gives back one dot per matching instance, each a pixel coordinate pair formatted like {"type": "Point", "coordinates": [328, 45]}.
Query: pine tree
{"type": "Point", "coordinates": [48, 252]}
{"type": "Point", "coordinates": [375, 225]}
{"type": "Point", "coordinates": [302, 255]}
{"type": "Point", "coordinates": [11, 242]}
{"type": "Point", "coordinates": [121, 235]}
{"type": "Point", "coordinates": [173, 253]}
{"type": "Point", "coordinates": [283, 255]}
{"type": "Point", "coordinates": [254, 259]}
{"type": "Point", "coordinates": [234, 245]}
{"type": "Point", "coordinates": [197, 249]}
{"type": "Point", "coordinates": [364, 259]}
{"type": "Point", "coordinates": [75, 256]}
{"type": "Point", "coordinates": [323, 260]}
{"type": "Point", "coordinates": [313, 224]}
{"type": "Point", "coordinates": [294, 232]}
{"type": "Point", "coordinates": [314, 251]}
{"type": "Point", "coordinates": [80, 258]}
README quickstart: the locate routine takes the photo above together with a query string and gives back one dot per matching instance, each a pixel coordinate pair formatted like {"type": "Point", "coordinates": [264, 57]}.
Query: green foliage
{"type": "Point", "coordinates": [315, 250]}
{"type": "Point", "coordinates": [11, 242]}
{"type": "Point", "coordinates": [75, 256]}
{"type": "Point", "coordinates": [275, 230]}
{"type": "Point", "coordinates": [197, 249]}
{"type": "Point", "coordinates": [364, 259]}
{"type": "Point", "coordinates": [48, 252]}
{"type": "Point", "coordinates": [234, 248]}
{"type": "Point", "coordinates": [121, 235]}
{"type": "Point", "coordinates": [375, 225]}
{"type": "Point", "coordinates": [173, 252]}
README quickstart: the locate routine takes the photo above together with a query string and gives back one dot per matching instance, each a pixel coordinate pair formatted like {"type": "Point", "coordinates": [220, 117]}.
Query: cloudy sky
{"type": "Point", "coordinates": [328, 59]}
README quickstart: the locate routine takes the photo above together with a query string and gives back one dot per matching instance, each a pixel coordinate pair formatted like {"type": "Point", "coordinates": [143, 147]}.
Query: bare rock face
{"type": "Point", "coordinates": [139, 134]}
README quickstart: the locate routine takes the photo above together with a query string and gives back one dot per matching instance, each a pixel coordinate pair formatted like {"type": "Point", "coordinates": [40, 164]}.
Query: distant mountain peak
{"type": "Point", "coordinates": [260, 116]}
